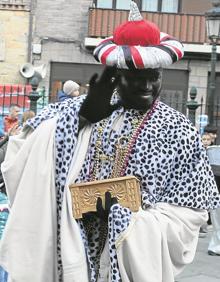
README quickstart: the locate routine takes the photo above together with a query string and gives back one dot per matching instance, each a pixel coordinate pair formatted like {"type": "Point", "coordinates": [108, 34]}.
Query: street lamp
{"type": "Point", "coordinates": [34, 95]}
{"type": "Point", "coordinates": [213, 31]}
{"type": "Point", "coordinates": [192, 105]}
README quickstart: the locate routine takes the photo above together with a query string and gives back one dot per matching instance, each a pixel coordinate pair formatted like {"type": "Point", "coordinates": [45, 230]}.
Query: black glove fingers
{"type": "Point", "coordinates": [114, 201]}
{"type": "Point", "coordinates": [93, 80]}
{"type": "Point", "coordinates": [96, 105]}
{"type": "Point", "coordinates": [99, 206]}
{"type": "Point", "coordinates": [107, 201]}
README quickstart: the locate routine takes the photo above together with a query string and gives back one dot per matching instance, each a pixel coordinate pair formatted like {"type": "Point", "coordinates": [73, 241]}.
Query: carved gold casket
{"type": "Point", "coordinates": [125, 189]}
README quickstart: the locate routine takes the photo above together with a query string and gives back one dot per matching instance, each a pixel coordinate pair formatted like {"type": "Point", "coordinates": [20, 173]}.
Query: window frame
{"type": "Point", "coordinates": [139, 3]}
{"type": "Point", "coordinates": [159, 7]}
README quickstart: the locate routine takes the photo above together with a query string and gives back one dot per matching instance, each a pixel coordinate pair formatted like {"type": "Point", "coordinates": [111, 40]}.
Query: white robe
{"type": "Point", "coordinates": [158, 243]}
{"type": "Point", "coordinates": [27, 249]}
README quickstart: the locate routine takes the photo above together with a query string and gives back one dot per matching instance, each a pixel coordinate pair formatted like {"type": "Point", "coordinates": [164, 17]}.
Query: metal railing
{"type": "Point", "coordinates": [14, 2]}
{"type": "Point", "coordinates": [188, 28]}
{"type": "Point", "coordinates": [216, 111]}
{"type": "Point", "coordinates": [19, 95]}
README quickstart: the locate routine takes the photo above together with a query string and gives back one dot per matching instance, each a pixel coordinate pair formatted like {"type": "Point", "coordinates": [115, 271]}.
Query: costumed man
{"type": "Point", "coordinates": [119, 129]}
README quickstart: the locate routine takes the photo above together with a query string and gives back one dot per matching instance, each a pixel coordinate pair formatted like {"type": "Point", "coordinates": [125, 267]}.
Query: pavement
{"type": "Point", "coordinates": [204, 268]}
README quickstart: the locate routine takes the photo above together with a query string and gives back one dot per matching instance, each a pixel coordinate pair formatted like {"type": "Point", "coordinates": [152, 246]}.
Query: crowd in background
{"type": "Point", "coordinates": [11, 125]}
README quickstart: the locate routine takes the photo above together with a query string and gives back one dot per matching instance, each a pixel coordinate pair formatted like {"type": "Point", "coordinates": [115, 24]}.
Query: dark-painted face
{"type": "Point", "coordinates": [138, 89]}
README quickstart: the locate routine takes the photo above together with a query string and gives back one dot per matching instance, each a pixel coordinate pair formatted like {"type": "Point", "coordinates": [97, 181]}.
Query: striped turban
{"type": "Point", "coordinates": [138, 44]}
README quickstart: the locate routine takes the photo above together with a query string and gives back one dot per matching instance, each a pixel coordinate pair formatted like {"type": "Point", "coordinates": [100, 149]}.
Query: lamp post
{"type": "Point", "coordinates": [34, 95]}
{"type": "Point", "coordinates": [192, 105]}
{"type": "Point", "coordinates": [213, 31]}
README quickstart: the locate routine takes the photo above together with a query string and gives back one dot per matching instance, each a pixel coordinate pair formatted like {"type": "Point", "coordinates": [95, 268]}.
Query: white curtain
{"type": "Point", "coordinates": [170, 6]}
{"type": "Point", "coordinates": [150, 5]}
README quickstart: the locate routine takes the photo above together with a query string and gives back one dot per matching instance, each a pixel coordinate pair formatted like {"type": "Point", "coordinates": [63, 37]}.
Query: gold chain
{"type": "Point", "coordinates": [122, 147]}
{"type": "Point", "coordinates": [98, 149]}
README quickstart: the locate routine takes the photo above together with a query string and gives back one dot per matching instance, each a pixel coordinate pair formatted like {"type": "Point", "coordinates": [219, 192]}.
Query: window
{"type": "Point", "coordinates": [113, 4]}
{"type": "Point", "coordinates": [123, 5]}
{"type": "Point", "coordinates": [149, 5]}
{"type": "Point", "coordinates": [107, 4]}
{"type": "Point", "coordinates": [170, 6]}
{"type": "Point", "coordinates": [166, 6]}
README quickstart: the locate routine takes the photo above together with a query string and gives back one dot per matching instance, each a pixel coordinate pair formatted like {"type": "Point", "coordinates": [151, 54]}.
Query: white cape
{"type": "Point", "coordinates": [27, 249]}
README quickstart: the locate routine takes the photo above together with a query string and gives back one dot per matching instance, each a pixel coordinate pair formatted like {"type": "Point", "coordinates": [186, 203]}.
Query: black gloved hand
{"type": "Point", "coordinates": [96, 105]}
{"type": "Point", "coordinates": [103, 213]}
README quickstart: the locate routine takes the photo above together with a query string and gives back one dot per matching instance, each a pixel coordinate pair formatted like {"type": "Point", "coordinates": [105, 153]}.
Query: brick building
{"type": "Point", "coordinates": [14, 36]}
{"type": "Point", "coordinates": [64, 32]}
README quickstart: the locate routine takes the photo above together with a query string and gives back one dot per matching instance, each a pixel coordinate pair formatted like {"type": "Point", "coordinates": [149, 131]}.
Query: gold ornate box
{"type": "Point", "coordinates": [125, 189]}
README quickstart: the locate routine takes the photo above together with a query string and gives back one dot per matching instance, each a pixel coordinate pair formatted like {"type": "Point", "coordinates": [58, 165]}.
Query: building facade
{"type": "Point", "coordinates": [14, 36]}
{"type": "Point", "coordinates": [70, 30]}
{"type": "Point", "coordinates": [63, 34]}
{"type": "Point", "coordinates": [60, 29]}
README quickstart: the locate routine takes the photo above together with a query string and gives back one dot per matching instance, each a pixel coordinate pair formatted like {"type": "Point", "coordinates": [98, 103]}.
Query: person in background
{"type": "Point", "coordinates": [214, 243]}
{"type": "Point", "coordinates": [26, 116]}
{"type": "Point", "coordinates": [15, 130]}
{"type": "Point", "coordinates": [206, 139]}
{"type": "Point", "coordinates": [70, 89]}
{"type": "Point", "coordinates": [213, 153]}
{"type": "Point", "coordinates": [3, 142]}
{"type": "Point", "coordinates": [212, 130]}
{"type": "Point", "coordinates": [12, 119]}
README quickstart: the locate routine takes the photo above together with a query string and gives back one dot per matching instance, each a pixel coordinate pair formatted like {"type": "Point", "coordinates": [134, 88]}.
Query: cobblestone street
{"type": "Point", "coordinates": [205, 268]}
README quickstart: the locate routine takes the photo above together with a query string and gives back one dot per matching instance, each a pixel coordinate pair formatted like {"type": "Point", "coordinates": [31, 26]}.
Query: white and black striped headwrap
{"type": "Point", "coordinates": [139, 57]}
{"type": "Point", "coordinates": [126, 55]}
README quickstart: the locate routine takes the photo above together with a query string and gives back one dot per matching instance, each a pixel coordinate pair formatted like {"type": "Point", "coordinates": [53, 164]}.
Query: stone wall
{"type": "Point", "coordinates": [60, 28]}
{"type": "Point", "coordinates": [13, 44]}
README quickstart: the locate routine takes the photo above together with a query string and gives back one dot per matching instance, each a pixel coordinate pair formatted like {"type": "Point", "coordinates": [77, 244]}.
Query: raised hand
{"type": "Point", "coordinates": [14, 130]}
{"type": "Point", "coordinates": [96, 105]}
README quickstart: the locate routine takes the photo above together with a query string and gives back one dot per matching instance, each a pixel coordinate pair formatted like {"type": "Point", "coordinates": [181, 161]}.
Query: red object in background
{"type": "Point", "coordinates": [15, 94]}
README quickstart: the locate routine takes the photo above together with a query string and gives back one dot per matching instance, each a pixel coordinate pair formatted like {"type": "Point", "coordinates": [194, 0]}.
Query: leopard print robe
{"type": "Point", "coordinates": [167, 157]}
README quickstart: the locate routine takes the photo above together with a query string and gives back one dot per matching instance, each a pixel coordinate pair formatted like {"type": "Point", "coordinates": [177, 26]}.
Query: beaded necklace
{"type": "Point", "coordinates": [123, 146]}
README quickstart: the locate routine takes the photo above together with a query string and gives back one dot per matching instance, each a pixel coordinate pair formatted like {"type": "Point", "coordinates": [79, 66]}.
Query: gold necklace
{"type": "Point", "coordinates": [123, 146]}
